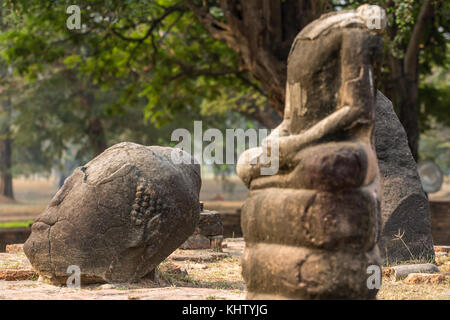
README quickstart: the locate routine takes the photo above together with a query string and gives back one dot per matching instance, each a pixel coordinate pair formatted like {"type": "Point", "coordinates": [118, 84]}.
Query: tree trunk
{"type": "Point", "coordinates": [6, 179]}
{"type": "Point", "coordinates": [96, 136]}
{"type": "Point", "coordinates": [94, 127]}
{"type": "Point", "coordinates": [6, 182]}
{"type": "Point", "coordinates": [408, 105]}
{"type": "Point", "coordinates": [403, 83]}
{"type": "Point", "coordinates": [408, 112]}
{"type": "Point", "coordinates": [261, 33]}
{"type": "Point", "coordinates": [265, 116]}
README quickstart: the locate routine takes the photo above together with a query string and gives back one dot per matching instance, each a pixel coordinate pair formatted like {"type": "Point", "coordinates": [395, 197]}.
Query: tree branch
{"type": "Point", "coordinates": [217, 29]}
{"type": "Point", "coordinates": [265, 115]}
{"type": "Point", "coordinates": [153, 24]}
{"type": "Point", "coordinates": [412, 53]}
{"type": "Point", "coordinates": [191, 73]}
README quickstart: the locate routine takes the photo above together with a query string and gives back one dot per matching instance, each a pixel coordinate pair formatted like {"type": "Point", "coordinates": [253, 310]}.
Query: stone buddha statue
{"type": "Point", "coordinates": [311, 229]}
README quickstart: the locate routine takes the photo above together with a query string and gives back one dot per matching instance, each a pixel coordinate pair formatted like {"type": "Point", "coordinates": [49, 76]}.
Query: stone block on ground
{"type": "Point", "coordinates": [402, 271]}
{"type": "Point", "coordinates": [209, 224]}
{"type": "Point", "coordinates": [14, 261]}
{"type": "Point", "coordinates": [208, 233]}
{"type": "Point", "coordinates": [16, 275]}
{"type": "Point", "coordinates": [14, 248]}
{"type": "Point", "coordinates": [15, 267]}
{"type": "Point", "coordinates": [195, 242]}
{"type": "Point", "coordinates": [198, 255]}
{"type": "Point", "coordinates": [445, 249]}
{"type": "Point", "coordinates": [425, 278]}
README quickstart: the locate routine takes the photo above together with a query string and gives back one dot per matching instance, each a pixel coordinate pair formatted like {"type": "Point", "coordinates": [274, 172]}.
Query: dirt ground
{"type": "Point", "coordinates": [190, 275]}
{"type": "Point", "coordinates": [185, 275]}
{"type": "Point", "coordinates": [181, 276]}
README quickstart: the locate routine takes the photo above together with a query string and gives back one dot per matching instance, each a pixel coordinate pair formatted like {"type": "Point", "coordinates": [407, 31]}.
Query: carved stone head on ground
{"type": "Point", "coordinates": [117, 217]}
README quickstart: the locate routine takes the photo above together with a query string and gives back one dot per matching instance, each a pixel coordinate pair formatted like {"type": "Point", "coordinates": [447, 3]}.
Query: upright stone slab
{"type": "Point", "coordinates": [311, 229]}
{"type": "Point", "coordinates": [118, 216]}
{"type": "Point", "coordinates": [405, 208]}
{"type": "Point", "coordinates": [208, 233]}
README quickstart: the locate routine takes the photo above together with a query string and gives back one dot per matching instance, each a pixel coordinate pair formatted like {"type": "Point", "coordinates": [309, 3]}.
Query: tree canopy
{"type": "Point", "coordinates": [137, 69]}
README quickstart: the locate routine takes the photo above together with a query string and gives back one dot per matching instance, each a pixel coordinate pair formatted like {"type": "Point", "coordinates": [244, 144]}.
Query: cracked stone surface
{"type": "Point", "coordinates": [118, 216]}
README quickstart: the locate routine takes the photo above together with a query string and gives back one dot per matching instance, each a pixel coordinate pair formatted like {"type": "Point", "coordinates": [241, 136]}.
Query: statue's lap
{"type": "Point", "coordinates": [328, 166]}
{"type": "Point", "coordinates": [325, 220]}
{"type": "Point", "coordinates": [313, 221]}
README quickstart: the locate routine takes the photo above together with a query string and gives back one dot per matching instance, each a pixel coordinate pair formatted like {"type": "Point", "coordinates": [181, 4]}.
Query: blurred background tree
{"type": "Point", "coordinates": [136, 70]}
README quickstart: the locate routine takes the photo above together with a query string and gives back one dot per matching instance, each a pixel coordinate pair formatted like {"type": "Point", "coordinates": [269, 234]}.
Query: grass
{"type": "Point", "coordinates": [423, 260]}
{"type": "Point", "coordinates": [224, 274]}
{"type": "Point", "coordinates": [214, 298]}
{"type": "Point", "coordinates": [398, 290]}
{"type": "Point", "coordinates": [414, 259]}
{"type": "Point", "coordinates": [16, 224]}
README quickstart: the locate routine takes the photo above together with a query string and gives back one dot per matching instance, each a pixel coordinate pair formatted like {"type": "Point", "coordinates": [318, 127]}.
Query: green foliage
{"type": "Point", "coordinates": [166, 58]}
{"type": "Point", "coordinates": [434, 98]}
{"type": "Point", "coordinates": [435, 145]}
{"type": "Point", "coordinates": [150, 67]}
{"type": "Point", "coordinates": [435, 102]}
{"type": "Point", "coordinates": [434, 89]}
{"type": "Point", "coordinates": [148, 70]}
{"type": "Point", "coordinates": [401, 17]}
{"type": "Point", "coordinates": [16, 224]}
{"type": "Point", "coordinates": [164, 55]}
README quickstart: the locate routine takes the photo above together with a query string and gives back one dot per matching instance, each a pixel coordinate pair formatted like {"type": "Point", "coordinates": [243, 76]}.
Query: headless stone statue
{"type": "Point", "coordinates": [311, 229]}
